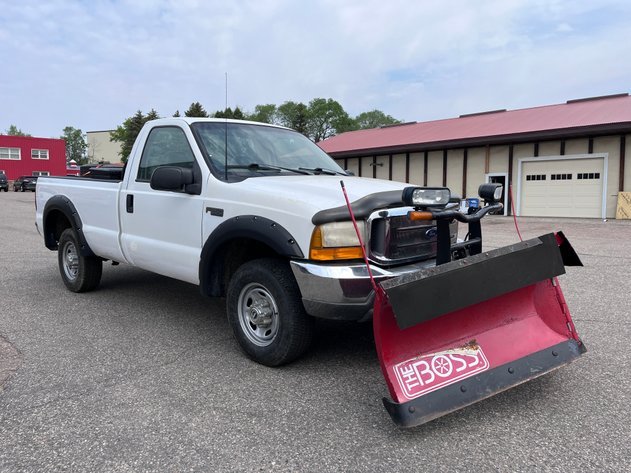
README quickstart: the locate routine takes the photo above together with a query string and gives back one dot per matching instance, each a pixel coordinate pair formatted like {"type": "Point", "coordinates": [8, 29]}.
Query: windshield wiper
{"type": "Point", "coordinates": [265, 167]}
{"type": "Point", "coordinates": [328, 172]}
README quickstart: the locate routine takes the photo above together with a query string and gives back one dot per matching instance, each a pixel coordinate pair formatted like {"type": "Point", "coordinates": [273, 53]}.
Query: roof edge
{"type": "Point", "coordinates": [546, 135]}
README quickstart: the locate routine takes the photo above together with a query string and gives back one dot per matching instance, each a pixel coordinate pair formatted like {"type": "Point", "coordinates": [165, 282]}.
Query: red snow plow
{"type": "Point", "coordinates": [475, 324]}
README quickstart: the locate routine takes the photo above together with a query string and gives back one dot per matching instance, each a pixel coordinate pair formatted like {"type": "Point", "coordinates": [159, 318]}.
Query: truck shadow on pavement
{"type": "Point", "coordinates": [161, 294]}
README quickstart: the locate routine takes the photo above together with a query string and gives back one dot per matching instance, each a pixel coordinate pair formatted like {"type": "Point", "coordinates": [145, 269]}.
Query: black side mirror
{"type": "Point", "coordinates": [171, 178]}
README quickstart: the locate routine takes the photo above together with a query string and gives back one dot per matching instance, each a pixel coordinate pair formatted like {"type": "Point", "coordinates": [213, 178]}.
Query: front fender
{"type": "Point", "coordinates": [251, 227]}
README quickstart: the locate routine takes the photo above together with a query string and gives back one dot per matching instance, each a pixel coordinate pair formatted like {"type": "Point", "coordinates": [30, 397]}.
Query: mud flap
{"type": "Point", "coordinates": [455, 334]}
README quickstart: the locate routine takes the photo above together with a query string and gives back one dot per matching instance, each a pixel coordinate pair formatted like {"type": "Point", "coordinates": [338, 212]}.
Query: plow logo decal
{"type": "Point", "coordinates": [426, 373]}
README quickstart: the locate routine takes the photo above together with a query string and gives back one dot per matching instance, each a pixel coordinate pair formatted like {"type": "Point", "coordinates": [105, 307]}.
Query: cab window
{"type": "Point", "coordinates": [165, 146]}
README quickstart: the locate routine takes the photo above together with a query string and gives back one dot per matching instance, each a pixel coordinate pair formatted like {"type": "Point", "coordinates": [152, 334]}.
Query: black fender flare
{"type": "Point", "coordinates": [252, 227]}
{"type": "Point", "coordinates": [61, 203]}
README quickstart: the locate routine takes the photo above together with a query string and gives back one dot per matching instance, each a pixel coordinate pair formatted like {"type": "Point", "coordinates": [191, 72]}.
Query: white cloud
{"type": "Point", "coordinates": [91, 64]}
{"type": "Point", "coordinates": [564, 28]}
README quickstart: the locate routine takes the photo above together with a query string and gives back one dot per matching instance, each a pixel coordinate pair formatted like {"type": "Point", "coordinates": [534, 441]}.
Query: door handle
{"type": "Point", "coordinates": [130, 203]}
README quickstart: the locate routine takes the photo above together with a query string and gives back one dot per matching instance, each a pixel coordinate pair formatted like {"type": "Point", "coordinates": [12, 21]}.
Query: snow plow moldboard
{"type": "Point", "coordinates": [452, 335]}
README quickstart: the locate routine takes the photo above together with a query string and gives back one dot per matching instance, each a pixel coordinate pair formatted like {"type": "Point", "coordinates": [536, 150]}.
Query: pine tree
{"type": "Point", "coordinates": [196, 110]}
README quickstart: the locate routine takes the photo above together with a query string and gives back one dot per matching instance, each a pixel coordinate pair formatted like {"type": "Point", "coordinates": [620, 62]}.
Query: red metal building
{"type": "Point", "coordinates": [29, 156]}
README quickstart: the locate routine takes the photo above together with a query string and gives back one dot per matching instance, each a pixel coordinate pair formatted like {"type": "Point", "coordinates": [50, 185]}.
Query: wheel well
{"type": "Point", "coordinates": [56, 222]}
{"type": "Point", "coordinates": [226, 260]}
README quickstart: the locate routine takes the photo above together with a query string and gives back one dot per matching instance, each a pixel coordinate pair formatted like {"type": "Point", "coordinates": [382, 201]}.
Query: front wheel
{"type": "Point", "coordinates": [266, 313]}
{"type": "Point", "coordinates": [79, 273]}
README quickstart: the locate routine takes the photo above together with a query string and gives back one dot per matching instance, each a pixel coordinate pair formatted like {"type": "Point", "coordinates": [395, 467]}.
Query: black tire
{"type": "Point", "coordinates": [265, 289]}
{"type": "Point", "coordinates": [79, 273]}
{"type": "Point", "coordinates": [23, 189]}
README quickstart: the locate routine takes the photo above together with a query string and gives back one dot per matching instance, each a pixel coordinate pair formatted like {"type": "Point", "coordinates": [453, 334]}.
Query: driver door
{"type": "Point", "coordinates": [161, 231]}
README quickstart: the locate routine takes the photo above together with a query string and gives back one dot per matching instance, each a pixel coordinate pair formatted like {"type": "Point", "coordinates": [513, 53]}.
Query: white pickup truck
{"type": "Point", "coordinates": [247, 211]}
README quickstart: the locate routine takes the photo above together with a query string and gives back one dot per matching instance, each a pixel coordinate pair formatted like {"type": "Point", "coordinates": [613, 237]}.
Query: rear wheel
{"type": "Point", "coordinates": [79, 273]}
{"type": "Point", "coordinates": [266, 313]}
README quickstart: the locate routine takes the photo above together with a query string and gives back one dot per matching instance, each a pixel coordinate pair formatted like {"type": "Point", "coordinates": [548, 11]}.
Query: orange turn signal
{"type": "Point", "coordinates": [330, 254]}
{"type": "Point", "coordinates": [417, 215]}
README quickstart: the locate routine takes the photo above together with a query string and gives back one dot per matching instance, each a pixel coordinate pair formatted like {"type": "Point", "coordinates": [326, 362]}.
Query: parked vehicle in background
{"type": "Point", "coordinates": [25, 183]}
{"type": "Point", "coordinates": [4, 183]}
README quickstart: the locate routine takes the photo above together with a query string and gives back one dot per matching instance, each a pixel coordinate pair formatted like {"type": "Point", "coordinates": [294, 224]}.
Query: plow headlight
{"type": "Point", "coordinates": [336, 241]}
{"type": "Point", "coordinates": [491, 192]}
{"type": "Point", "coordinates": [426, 196]}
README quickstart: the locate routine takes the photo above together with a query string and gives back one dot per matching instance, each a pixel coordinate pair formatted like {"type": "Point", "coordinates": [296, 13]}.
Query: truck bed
{"type": "Point", "coordinates": [96, 201]}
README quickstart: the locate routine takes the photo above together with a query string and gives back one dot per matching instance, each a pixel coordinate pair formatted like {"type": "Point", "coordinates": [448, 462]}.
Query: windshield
{"type": "Point", "coordinates": [256, 150]}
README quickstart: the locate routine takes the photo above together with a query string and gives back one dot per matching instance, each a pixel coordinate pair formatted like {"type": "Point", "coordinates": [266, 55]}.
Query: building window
{"type": "Point", "coordinates": [588, 175]}
{"type": "Point", "coordinates": [41, 173]}
{"type": "Point", "coordinates": [562, 177]}
{"type": "Point", "coordinates": [535, 177]}
{"type": "Point", "coordinates": [10, 153]}
{"type": "Point", "coordinates": [39, 154]}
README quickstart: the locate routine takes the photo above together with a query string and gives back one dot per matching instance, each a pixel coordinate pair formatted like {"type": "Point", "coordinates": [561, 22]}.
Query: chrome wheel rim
{"type": "Point", "coordinates": [258, 314]}
{"type": "Point", "coordinates": [70, 260]}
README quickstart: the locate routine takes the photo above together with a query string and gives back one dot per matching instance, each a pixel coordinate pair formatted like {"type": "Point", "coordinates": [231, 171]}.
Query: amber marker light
{"type": "Point", "coordinates": [418, 215]}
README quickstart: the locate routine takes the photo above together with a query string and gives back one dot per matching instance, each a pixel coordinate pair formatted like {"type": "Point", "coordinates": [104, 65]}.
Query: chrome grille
{"type": "Point", "coordinates": [394, 239]}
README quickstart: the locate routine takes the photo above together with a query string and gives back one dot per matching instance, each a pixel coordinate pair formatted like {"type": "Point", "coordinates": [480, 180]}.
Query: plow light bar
{"type": "Point", "coordinates": [491, 192]}
{"type": "Point", "coordinates": [426, 196]}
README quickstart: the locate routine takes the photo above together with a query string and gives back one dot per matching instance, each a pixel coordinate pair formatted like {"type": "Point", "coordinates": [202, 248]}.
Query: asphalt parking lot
{"type": "Point", "coordinates": [143, 375]}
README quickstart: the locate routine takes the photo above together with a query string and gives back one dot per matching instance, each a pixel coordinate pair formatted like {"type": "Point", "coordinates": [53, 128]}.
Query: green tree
{"type": "Point", "coordinates": [327, 118]}
{"type": "Point", "coordinates": [177, 114]}
{"type": "Point", "coordinates": [152, 115]}
{"type": "Point", "coordinates": [294, 115]}
{"type": "Point", "coordinates": [75, 145]}
{"type": "Point", "coordinates": [226, 113]}
{"type": "Point", "coordinates": [374, 119]}
{"type": "Point", "coordinates": [236, 114]}
{"type": "Point", "coordinates": [15, 131]}
{"type": "Point", "coordinates": [196, 110]}
{"type": "Point", "coordinates": [127, 133]}
{"type": "Point", "coordinates": [264, 113]}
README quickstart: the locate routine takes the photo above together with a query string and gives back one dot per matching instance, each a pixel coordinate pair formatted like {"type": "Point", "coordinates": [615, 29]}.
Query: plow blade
{"type": "Point", "coordinates": [457, 333]}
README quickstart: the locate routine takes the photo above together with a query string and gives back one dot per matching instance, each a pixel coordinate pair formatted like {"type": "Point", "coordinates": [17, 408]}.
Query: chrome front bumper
{"type": "Point", "coordinates": [343, 291]}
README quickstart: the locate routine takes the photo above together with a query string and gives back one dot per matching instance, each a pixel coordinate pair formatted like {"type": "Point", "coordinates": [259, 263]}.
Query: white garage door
{"type": "Point", "coordinates": [562, 188]}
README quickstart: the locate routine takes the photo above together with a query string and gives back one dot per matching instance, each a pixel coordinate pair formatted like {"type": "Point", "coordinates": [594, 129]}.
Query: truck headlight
{"type": "Point", "coordinates": [426, 196]}
{"type": "Point", "coordinates": [336, 241]}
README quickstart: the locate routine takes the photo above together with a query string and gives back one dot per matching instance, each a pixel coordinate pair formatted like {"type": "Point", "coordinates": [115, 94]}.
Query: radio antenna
{"type": "Point", "coordinates": [225, 110]}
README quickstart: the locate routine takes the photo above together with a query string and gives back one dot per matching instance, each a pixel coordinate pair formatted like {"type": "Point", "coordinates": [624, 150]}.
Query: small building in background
{"type": "Point", "coordinates": [101, 149]}
{"type": "Point", "coordinates": [31, 156]}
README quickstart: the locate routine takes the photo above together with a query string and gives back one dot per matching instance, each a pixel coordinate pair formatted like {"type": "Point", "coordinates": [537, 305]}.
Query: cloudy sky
{"type": "Point", "coordinates": [90, 64]}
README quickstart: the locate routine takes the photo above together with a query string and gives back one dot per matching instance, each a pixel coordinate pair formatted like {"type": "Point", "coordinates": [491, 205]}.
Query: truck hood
{"type": "Point", "coordinates": [311, 192]}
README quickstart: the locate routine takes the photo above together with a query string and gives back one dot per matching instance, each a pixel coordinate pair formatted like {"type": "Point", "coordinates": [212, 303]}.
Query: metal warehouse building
{"type": "Point", "coordinates": [564, 160]}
